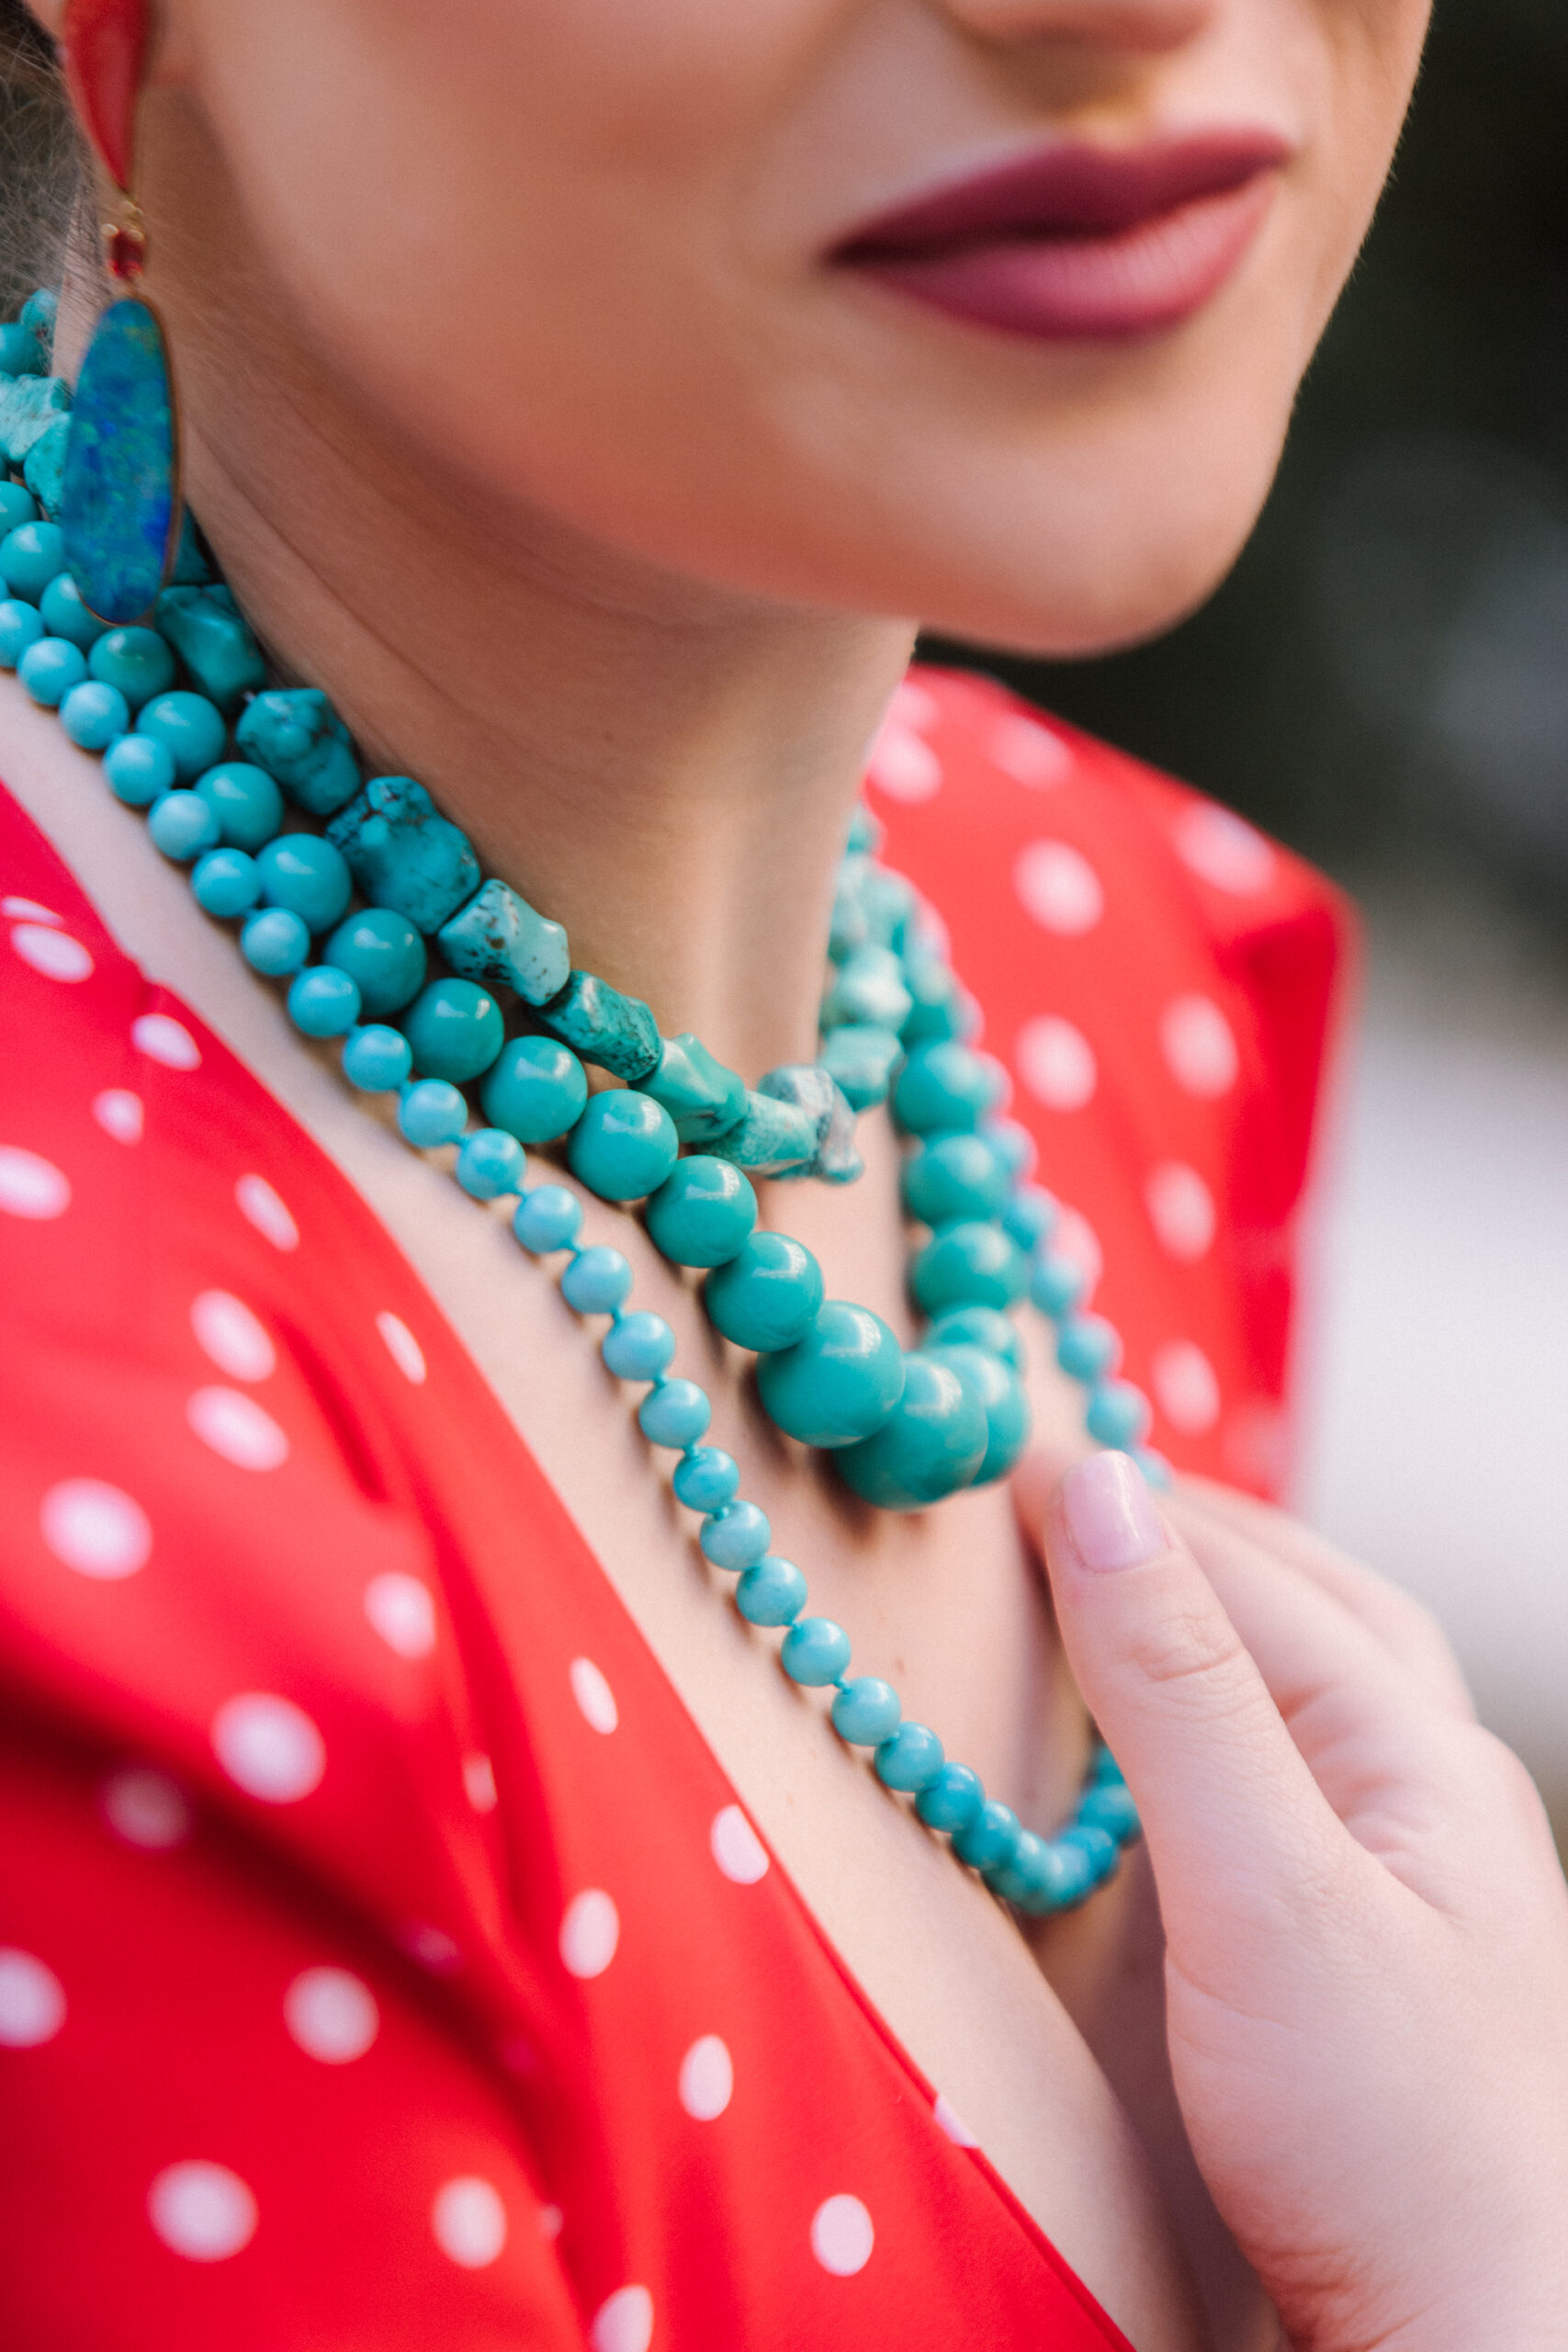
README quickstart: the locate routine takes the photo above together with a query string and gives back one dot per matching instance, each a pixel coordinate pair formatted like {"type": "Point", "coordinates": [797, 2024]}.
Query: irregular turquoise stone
{"type": "Point", "coordinates": [213, 639]}
{"type": "Point", "coordinates": [618, 1033]}
{"type": "Point", "coordinates": [701, 1096]}
{"type": "Point", "coordinates": [43, 469]}
{"type": "Point", "coordinates": [812, 1088]}
{"type": "Point", "coordinates": [298, 736]}
{"type": "Point", "coordinates": [499, 939]}
{"type": "Point", "coordinates": [191, 567]}
{"type": "Point", "coordinates": [28, 406]}
{"type": "Point", "coordinates": [773, 1137]}
{"type": "Point", "coordinates": [402, 854]}
{"type": "Point", "coordinates": [19, 351]}
{"type": "Point", "coordinates": [869, 989]}
{"type": "Point", "coordinates": [118, 504]}
{"type": "Point", "coordinates": [38, 314]}
{"type": "Point", "coordinates": [862, 1058]}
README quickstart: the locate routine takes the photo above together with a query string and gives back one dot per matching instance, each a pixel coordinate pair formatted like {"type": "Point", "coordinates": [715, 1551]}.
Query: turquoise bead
{"type": "Point", "coordinates": [298, 736]}
{"type": "Point", "coordinates": [275, 941]}
{"type": "Point", "coordinates": [838, 1382]}
{"type": "Point", "coordinates": [31, 556]}
{"type": "Point", "coordinates": [1028, 1875]}
{"type": "Point", "coordinates": [1104, 1772]}
{"type": "Point", "coordinates": [1014, 1146]}
{"type": "Point", "coordinates": [28, 406]}
{"type": "Point", "coordinates": [535, 1090]}
{"type": "Point", "coordinates": [638, 1347]}
{"type": "Point", "coordinates": [941, 1011]}
{"type": "Point", "coordinates": [930, 1445]}
{"type": "Point", "coordinates": [970, 1264]}
{"type": "Point", "coordinates": [50, 669]}
{"type": "Point", "coordinates": [1055, 1284]}
{"type": "Point", "coordinates": [861, 1060]}
{"type": "Point", "coordinates": [815, 1652]}
{"type": "Point", "coordinates": [548, 1218]}
{"type": "Point", "coordinates": [1098, 1849]}
{"type": "Point", "coordinates": [952, 1800]}
{"type": "Point", "coordinates": [432, 1113]}
{"type": "Point", "coordinates": [1071, 1878]}
{"type": "Point", "coordinates": [701, 1096]}
{"type": "Point", "coordinates": [703, 1213]}
{"type": "Point", "coordinates": [44, 468]}
{"type": "Point", "coordinates": [189, 727]}
{"type": "Point", "coordinates": [675, 1414]}
{"type": "Point", "coordinates": [403, 854]}
{"type": "Point", "coordinates": [245, 801]}
{"type": "Point", "coordinates": [383, 954]}
{"type": "Point", "coordinates": [951, 1177]}
{"type": "Point", "coordinates": [944, 1085]}
{"type": "Point", "coordinates": [865, 833]}
{"type": "Point", "coordinates": [16, 506]}
{"type": "Point", "coordinates": [771, 1137]}
{"type": "Point", "coordinates": [138, 771]}
{"type": "Point", "coordinates": [624, 1145]}
{"type": "Point", "coordinates": [1088, 1347]}
{"type": "Point", "coordinates": [773, 1593]}
{"type": "Point", "coordinates": [19, 629]}
{"type": "Point", "coordinates": [1156, 1470]}
{"type": "Point", "coordinates": [225, 883]}
{"type": "Point", "coordinates": [978, 1327]}
{"type": "Point", "coordinates": [1117, 1414]}
{"type": "Point", "coordinates": [323, 1002]}
{"type": "Point", "coordinates": [182, 826]}
{"type": "Point", "coordinates": [988, 1841]}
{"type": "Point", "coordinates": [93, 716]}
{"type": "Point", "coordinates": [499, 939]}
{"type": "Point", "coordinates": [65, 615]}
{"type": "Point", "coordinates": [19, 353]}
{"type": "Point", "coordinates": [866, 1712]}
{"type": "Point", "coordinates": [455, 1029]}
{"type": "Point", "coordinates": [706, 1479]}
{"type": "Point", "coordinates": [136, 661]}
{"type": "Point", "coordinates": [118, 500]}
{"type": "Point", "coordinates": [489, 1164]}
{"type": "Point", "coordinates": [736, 1537]}
{"type": "Point", "coordinates": [1031, 1217]}
{"type": "Point", "coordinates": [597, 1282]}
{"type": "Point", "coordinates": [909, 1759]}
{"type": "Point", "coordinates": [614, 1031]}
{"type": "Point", "coordinates": [1109, 1807]}
{"type": "Point", "coordinates": [376, 1058]}
{"type": "Point", "coordinates": [306, 875]}
{"type": "Point", "coordinates": [213, 639]}
{"type": "Point", "coordinates": [767, 1295]}
{"type": "Point", "coordinates": [868, 991]}
{"type": "Point", "coordinates": [1003, 1400]}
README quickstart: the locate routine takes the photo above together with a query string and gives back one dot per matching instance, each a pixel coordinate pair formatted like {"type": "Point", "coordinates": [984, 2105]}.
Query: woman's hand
{"type": "Point", "coordinates": [1366, 1924]}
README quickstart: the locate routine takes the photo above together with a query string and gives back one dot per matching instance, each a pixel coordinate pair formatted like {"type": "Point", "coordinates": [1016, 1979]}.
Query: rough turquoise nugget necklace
{"type": "Point", "coordinates": [388, 879]}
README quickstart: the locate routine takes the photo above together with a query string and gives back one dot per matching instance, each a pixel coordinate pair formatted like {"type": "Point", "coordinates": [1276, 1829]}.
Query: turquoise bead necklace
{"type": "Point", "coordinates": [188, 729]}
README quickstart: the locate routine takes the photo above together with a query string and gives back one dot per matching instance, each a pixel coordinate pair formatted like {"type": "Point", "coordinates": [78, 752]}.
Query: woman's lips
{"type": "Point", "coordinates": [1079, 241]}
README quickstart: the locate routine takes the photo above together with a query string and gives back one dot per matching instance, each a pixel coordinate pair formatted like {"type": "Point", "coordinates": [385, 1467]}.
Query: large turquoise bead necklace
{"type": "Point", "coordinates": [189, 729]}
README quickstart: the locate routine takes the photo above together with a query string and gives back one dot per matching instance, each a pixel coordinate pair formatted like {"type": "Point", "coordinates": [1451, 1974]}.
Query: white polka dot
{"type": "Point", "coordinates": [594, 1695]}
{"type": "Point", "coordinates": [842, 2235]}
{"type": "Point", "coordinates": [119, 1113]}
{"type": "Point", "coordinates": [1059, 887]}
{"type": "Point", "coordinates": [236, 1340]}
{"type": "Point", "coordinates": [588, 1933]}
{"type": "Point", "coordinates": [479, 1783]}
{"type": "Point", "coordinates": [469, 2222]}
{"type": "Point", "coordinates": [403, 1613]}
{"type": "Point", "coordinates": [1057, 1063]}
{"type": "Point", "coordinates": [1199, 1045]}
{"type": "Point", "coordinates": [1073, 1236]}
{"type": "Point", "coordinates": [146, 1808]}
{"type": "Point", "coordinates": [914, 706]}
{"type": "Point", "coordinates": [267, 1212]}
{"type": "Point", "coordinates": [31, 1187]}
{"type": "Point", "coordinates": [96, 1529]}
{"type": "Point", "coordinates": [1030, 752]}
{"type": "Point", "coordinates": [235, 1426]}
{"type": "Point", "coordinates": [737, 1848]}
{"type": "Point", "coordinates": [1181, 1210]}
{"type": "Point", "coordinates": [552, 2221]}
{"type": "Point", "coordinates": [953, 2123]}
{"type": "Point", "coordinates": [708, 2079]}
{"type": "Point", "coordinates": [331, 2015]}
{"type": "Point", "coordinates": [1185, 1387]}
{"type": "Point", "coordinates": [33, 2000]}
{"type": "Point", "coordinates": [903, 764]}
{"type": "Point", "coordinates": [269, 1747]}
{"type": "Point", "coordinates": [626, 2323]}
{"type": "Point", "coordinates": [53, 953]}
{"type": "Point", "coordinates": [163, 1039]}
{"type": "Point", "coordinates": [402, 1347]}
{"type": "Point", "coordinates": [204, 2211]}
{"type": "Point", "coordinates": [432, 1947]}
{"type": "Point", "coordinates": [27, 910]}
{"type": "Point", "coordinates": [1222, 849]}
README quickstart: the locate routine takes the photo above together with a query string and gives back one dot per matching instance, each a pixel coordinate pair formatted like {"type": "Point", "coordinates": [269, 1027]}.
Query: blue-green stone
{"type": "Point", "coordinates": [771, 1593]}
{"type": "Point", "coordinates": [767, 1294]}
{"type": "Point", "coordinates": [456, 1030]}
{"type": "Point", "coordinates": [214, 641]}
{"type": "Point", "coordinates": [931, 1444]}
{"type": "Point", "coordinates": [38, 314]}
{"type": "Point", "coordinates": [978, 1327]}
{"type": "Point", "coordinates": [701, 1096]}
{"type": "Point", "coordinates": [43, 469]}
{"type": "Point", "coordinates": [189, 727]}
{"type": "Point", "coordinates": [306, 875]}
{"type": "Point", "coordinates": [866, 1711]}
{"type": "Point", "coordinates": [813, 1090]}
{"type": "Point", "coordinates": [298, 736]}
{"type": "Point", "coordinates": [940, 1010]}
{"type": "Point", "coordinates": [909, 1759]}
{"type": "Point", "coordinates": [1110, 1806]}
{"type": "Point", "coordinates": [499, 939]}
{"type": "Point", "coordinates": [403, 854]}
{"type": "Point", "coordinates": [28, 406]}
{"type": "Point", "coordinates": [865, 834]}
{"type": "Point", "coordinates": [771, 1138]}
{"type": "Point", "coordinates": [861, 1058]}
{"type": "Point", "coordinates": [989, 1840]}
{"type": "Point", "coordinates": [624, 1145]}
{"type": "Point", "coordinates": [974, 1263]}
{"type": "Point", "coordinates": [20, 351]}
{"type": "Point", "coordinates": [537, 1089]}
{"type": "Point", "coordinates": [16, 506]}
{"type": "Point", "coordinates": [1003, 1399]}
{"type": "Point", "coordinates": [63, 614]}
{"type": "Point", "coordinates": [383, 954]}
{"type": "Point", "coordinates": [245, 801]}
{"type": "Point", "coordinates": [838, 1382]}
{"type": "Point", "coordinates": [29, 558]}
{"type": "Point", "coordinates": [815, 1652]}
{"type": "Point", "coordinates": [703, 1213]}
{"type": "Point", "coordinates": [1088, 1347]}
{"type": "Point", "coordinates": [951, 1798]}
{"type": "Point", "coordinates": [954, 1176]}
{"type": "Point", "coordinates": [614, 1031]}
{"type": "Point", "coordinates": [867, 990]}
{"type": "Point", "coordinates": [118, 504]}
{"type": "Point", "coordinates": [946, 1085]}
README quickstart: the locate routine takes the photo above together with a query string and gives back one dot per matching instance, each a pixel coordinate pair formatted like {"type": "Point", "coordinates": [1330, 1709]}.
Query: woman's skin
{"type": "Point", "coordinates": [529, 417]}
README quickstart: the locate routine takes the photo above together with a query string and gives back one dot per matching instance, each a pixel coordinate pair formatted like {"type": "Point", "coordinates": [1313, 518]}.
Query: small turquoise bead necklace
{"type": "Point", "coordinates": [348, 918]}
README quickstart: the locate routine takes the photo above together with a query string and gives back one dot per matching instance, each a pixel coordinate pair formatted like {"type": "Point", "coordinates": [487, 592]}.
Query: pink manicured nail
{"type": "Point", "coordinates": [1111, 1514]}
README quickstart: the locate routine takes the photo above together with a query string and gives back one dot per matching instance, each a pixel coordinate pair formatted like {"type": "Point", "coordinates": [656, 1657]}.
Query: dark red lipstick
{"type": "Point", "coordinates": [1079, 241]}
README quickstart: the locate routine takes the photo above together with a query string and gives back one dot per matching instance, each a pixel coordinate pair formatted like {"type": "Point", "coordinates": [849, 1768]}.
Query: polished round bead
{"type": "Point", "coordinates": [182, 826]}
{"type": "Point", "coordinates": [624, 1145]}
{"type": "Point", "coordinates": [323, 1002]}
{"type": "Point", "coordinates": [1104, 1772]}
{"type": "Point", "coordinates": [93, 715]}
{"type": "Point", "coordinates": [535, 1090]}
{"type": "Point", "coordinates": [18, 505]}
{"type": "Point", "coordinates": [136, 661]}
{"type": "Point", "coordinates": [455, 1029]}
{"type": "Point", "coordinates": [65, 615]}
{"type": "Point", "coordinates": [138, 771]}
{"type": "Point", "coordinates": [1003, 1399]}
{"type": "Point", "coordinates": [31, 556]}
{"type": "Point", "coordinates": [225, 883]}
{"type": "Point", "coordinates": [1031, 1217]}
{"type": "Point", "coordinates": [909, 1758]}
{"type": "Point", "coordinates": [376, 1058]}
{"type": "Point", "coordinates": [638, 1347]}
{"type": "Point", "coordinates": [19, 629]}
{"type": "Point", "coordinates": [675, 1414]}
{"type": "Point", "coordinates": [1027, 1876]}
{"type": "Point", "coordinates": [706, 1479]}
{"type": "Point", "coordinates": [1014, 1146]}
{"type": "Point", "coordinates": [866, 1712]}
{"type": "Point", "coordinates": [930, 1445]}
{"type": "Point", "coordinates": [736, 1537]}
{"type": "Point", "coordinates": [192, 729]}
{"type": "Point", "coordinates": [597, 1282]}
{"type": "Point", "coordinates": [51, 669]}
{"type": "Point", "coordinates": [954, 1176]}
{"type": "Point", "coordinates": [703, 1213]}
{"type": "Point", "coordinates": [815, 1651]}
{"type": "Point", "coordinates": [1157, 1472]}
{"type": "Point", "coordinates": [549, 1217]}
{"type": "Point", "coordinates": [978, 1327]}
{"type": "Point", "coordinates": [987, 1840]}
{"type": "Point", "coordinates": [1109, 1807]}
{"type": "Point", "coordinates": [767, 1295]}
{"type": "Point", "coordinates": [430, 1113]}
{"type": "Point", "coordinates": [972, 1264]}
{"type": "Point", "coordinates": [1055, 1284]}
{"type": "Point", "coordinates": [275, 941]}
{"type": "Point", "coordinates": [308, 875]}
{"type": "Point", "coordinates": [489, 1164]}
{"type": "Point", "coordinates": [1099, 1849]}
{"type": "Point", "coordinates": [944, 1085]}
{"type": "Point", "coordinates": [838, 1382]}
{"type": "Point", "coordinates": [1117, 1414]}
{"type": "Point", "coordinates": [245, 801]}
{"type": "Point", "coordinates": [771, 1593]}
{"type": "Point", "coordinates": [1069, 1879]}
{"type": "Point", "coordinates": [383, 953]}
{"type": "Point", "coordinates": [952, 1800]}
{"type": "Point", "coordinates": [1088, 1347]}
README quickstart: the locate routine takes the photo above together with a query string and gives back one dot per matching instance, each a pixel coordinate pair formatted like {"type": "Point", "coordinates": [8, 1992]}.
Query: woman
{"type": "Point", "coordinates": [431, 1918]}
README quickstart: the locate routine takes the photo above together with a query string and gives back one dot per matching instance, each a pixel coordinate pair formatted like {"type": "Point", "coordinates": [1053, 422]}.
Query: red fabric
{"type": "Point", "coordinates": [384, 1959]}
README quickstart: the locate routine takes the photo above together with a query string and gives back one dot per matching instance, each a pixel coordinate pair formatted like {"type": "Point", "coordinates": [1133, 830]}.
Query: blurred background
{"type": "Point", "coordinates": [1383, 683]}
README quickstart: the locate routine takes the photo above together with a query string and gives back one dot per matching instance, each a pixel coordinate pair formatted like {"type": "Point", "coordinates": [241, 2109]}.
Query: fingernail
{"type": "Point", "coordinates": [1111, 1514]}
